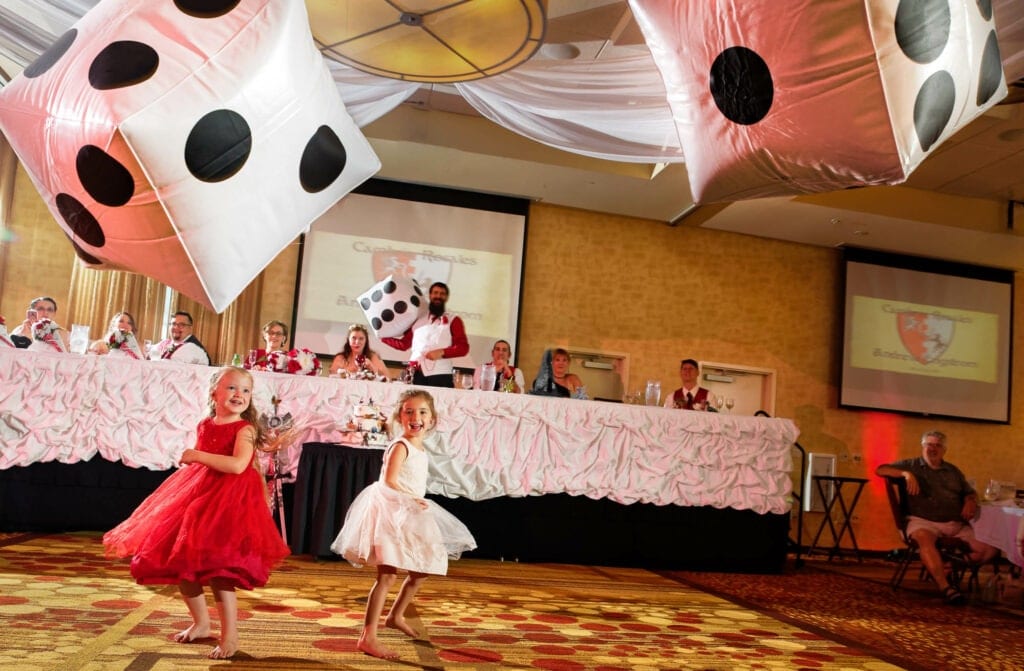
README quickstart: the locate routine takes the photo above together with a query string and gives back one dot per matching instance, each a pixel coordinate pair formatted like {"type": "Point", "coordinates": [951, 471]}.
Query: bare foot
{"type": "Point", "coordinates": [374, 649]}
{"type": "Point", "coordinates": [401, 625]}
{"type": "Point", "coordinates": [193, 633]}
{"type": "Point", "coordinates": [225, 650]}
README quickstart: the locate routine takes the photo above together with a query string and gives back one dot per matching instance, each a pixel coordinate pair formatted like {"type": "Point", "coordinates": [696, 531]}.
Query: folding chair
{"type": "Point", "coordinates": [955, 553]}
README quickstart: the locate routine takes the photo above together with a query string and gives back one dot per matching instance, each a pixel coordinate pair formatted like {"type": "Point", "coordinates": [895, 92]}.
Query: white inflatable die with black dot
{"type": "Point", "coordinates": [393, 305]}
{"type": "Point", "coordinates": [789, 98]}
{"type": "Point", "coordinates": [186, 140]}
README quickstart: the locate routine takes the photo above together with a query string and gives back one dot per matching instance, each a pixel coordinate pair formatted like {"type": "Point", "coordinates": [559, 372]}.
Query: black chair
{"type": "Point", "coordinates": [955, 553]}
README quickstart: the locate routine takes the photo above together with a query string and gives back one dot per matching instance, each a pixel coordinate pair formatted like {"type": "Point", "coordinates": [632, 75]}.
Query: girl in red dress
{"type": "Point", "coordinates": [209, 522]}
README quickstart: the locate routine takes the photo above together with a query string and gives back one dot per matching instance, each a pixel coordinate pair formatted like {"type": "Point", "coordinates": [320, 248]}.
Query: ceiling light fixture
{"type": "Point", "coordinates": [435, 41]}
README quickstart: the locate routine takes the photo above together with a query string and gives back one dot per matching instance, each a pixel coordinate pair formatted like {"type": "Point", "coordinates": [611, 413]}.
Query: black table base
{"type": "Point", "coordinates": [93, 495]}
{"type": "Point", "coordinates": [554, 528]}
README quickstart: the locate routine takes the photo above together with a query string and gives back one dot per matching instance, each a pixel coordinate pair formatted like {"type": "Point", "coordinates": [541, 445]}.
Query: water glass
{"type": "Point", "coordinates": [652, 394]}
{"type": "Point", "coordinates": [78, 341]}
{"type": "Point", "coordinates": [488, 376]}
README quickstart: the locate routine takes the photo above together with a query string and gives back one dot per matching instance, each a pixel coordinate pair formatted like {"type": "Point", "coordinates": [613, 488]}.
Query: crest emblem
{"type": "Point", "coordinates": [424, 269]}
{"type": "Point", "coordinates": [925, 336]}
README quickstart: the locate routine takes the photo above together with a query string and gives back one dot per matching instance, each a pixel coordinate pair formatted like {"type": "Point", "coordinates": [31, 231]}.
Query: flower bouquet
{"type": "Point", "coordinates": [124, 342]}
{"type": "Point", "coordinates": [294, 362]}
{"type": "Point", "coordinates": [46, 334]}
{"type": "Point", "coordinates": [4, 338]}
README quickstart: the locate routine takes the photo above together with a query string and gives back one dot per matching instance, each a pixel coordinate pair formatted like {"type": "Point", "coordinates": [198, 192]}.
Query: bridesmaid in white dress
{"type": "Point", "coordinates": [391, 526]}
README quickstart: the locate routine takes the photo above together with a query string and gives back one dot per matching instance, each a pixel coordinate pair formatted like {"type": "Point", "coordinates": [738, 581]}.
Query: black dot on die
{"type": "Point", "coordinates": [922, 28]}
{"type": "Point", "coordinates": [322, 161]}
{"type": "Point", "coordinates": [741, 85]}
{"type": "Point", "coordinates": [84, 255]}
{"type": "Point", "coordinates": [990, 74]}
{"type": "Point", "coordinates": [123, 63]}
{"type": "Point", "coordinates": [389, 287]}
{"type": "Point", "coordinates": [985, 9]}
{"type": "Point", "coordinates": [387, 315]}
{"type": "Point", "coordinates": [933, 107]}
{"type": "Point", "coordinates": [206, 9]}
{"type": "Point", "coordinates": [415, 300]}
{"type": "Point", "coordinates": [416, 286]}
{"type": "Point", "coordinates": [218, 146]}
{"type": "Point", "coordinates": [80, 220]}
{"type": "Point", "coordinates": [50, 57]}
{"type": "Point", "coordinates": [103, 176]}
{"type": "Point", "coordinates": [401, 307]}
{"type": "Point", "coordinates": [376, 323]}
{"type": "Point", "coordinates": [365, 303]}
{"type": "Point", "coordinates": [376, 295]}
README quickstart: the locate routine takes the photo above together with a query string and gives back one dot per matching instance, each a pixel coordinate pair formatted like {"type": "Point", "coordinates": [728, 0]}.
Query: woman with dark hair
{"type": "Point", "coordinates": [356, 356]}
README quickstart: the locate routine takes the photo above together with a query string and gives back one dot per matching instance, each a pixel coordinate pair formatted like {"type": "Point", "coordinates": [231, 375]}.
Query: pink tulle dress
{"type": "Point", "coordinates": [202, 524]}
{"type": "Point", "coordinates": [387, 526]}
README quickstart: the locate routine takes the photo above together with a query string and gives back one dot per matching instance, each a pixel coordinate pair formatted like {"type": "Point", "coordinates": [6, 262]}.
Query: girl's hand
{"type": "Point", "coordinates": [422, 503]}
{"type": "Point", "coordinates": [189, 456]}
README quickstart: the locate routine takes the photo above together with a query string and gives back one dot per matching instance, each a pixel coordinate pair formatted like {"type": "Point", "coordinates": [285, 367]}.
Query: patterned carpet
{"type": "Point", "coordinates": [63, 606]}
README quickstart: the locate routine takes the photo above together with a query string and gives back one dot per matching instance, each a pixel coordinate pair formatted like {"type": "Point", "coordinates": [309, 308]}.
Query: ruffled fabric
{"type": "Point", "coordinates": [384, 526]}
{"type": "Point", "coordinates": [202, 524]}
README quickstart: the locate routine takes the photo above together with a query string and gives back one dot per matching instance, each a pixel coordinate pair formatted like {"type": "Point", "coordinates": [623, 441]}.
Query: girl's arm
{"type": "Point", "coordinates": [337, 364]}
{"type": "Point", "coordinates": [396, 457]}
{"type": "Point", "coordinates": [237, 462]}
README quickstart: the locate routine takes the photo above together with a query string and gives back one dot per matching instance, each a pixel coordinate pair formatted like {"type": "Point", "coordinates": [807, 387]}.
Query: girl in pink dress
{"type": "Point", "coordinates": [209, 522]}
{"type": "Point", "coordinates": [391, 526]}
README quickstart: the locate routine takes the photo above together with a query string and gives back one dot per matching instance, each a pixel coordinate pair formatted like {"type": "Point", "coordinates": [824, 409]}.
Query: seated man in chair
{"type": "Point", "coordinates": [941, 504]}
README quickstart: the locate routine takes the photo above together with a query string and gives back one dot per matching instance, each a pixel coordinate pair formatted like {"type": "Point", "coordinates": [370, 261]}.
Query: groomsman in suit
{"type": "Point", "coordinates": [182, 346]}
{"type": "Point", "coordinates": [691, 396]}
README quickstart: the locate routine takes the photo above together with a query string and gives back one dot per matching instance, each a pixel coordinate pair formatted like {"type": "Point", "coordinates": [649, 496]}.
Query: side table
{"type": "Point", "coordinates": [841, 516]}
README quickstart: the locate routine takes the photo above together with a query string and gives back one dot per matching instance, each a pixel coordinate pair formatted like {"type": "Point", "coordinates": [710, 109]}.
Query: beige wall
{"type": "Point", "coordinates": [658, 293]}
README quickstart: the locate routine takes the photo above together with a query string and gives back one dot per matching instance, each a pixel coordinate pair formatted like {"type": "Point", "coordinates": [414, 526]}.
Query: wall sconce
{"type": "Point", "coordinates": [440, 42]}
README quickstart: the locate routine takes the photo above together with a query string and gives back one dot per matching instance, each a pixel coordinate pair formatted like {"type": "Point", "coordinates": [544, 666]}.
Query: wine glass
{"type": "Point", "coordinates": [719, 403]}
{"type": "Point", "coordinates": [457, 378]}
{"type": "Point", "coordinates": [729, 403]}
{"type": "Point", "coordinates": [467, 381]}
{"type": "Point", "coordinates": [993, 490]}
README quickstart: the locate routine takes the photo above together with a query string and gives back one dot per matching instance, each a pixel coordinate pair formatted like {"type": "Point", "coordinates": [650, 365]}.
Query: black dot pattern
{"type": "Point", "coordinates": [387, 316]}
{"type": "Point", "coordinates": [50, 57]}
{"type": "Point", "coordinates": [376, 323]}
{"type": "Point", "coordinates": [322, 161]}
{"type": "Point", "coordinates": [218, 146]}
{"type": "Point", "coordinates": [401, 307]}
{"type": "Point", "coordinates": [84, 255]}
{"type": "Point", "coordinates": [922, 28]}
{"type": "Point", "coordinates": [103, 176]}
{"type": "Point", "coordinates": [933, 107]}
{"type": "Point", "coordinates": [80, 220]}
{"type": "Point", "coordinates": [205, 9]}
{"type": "Point", "coordinates": [121, 64]}
{"type": "Point", "coordinates": [990, 74]}
{"type": "Point", "coordinates": [741, 85]}
{"type": "Point", "coordinates": [985, 9]}
{"type": "Point", "coordinates": [365, 303]}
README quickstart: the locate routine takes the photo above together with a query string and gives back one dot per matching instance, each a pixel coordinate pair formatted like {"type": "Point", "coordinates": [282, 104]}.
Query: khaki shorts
{"type": "Point", "coordinates": [954, 529]}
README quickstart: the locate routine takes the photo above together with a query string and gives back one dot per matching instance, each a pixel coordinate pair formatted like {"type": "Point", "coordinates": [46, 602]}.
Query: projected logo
{"type": "Point", "coordinates": [924, 335]}
{"type": "Point", "coordinates": [423, 268]}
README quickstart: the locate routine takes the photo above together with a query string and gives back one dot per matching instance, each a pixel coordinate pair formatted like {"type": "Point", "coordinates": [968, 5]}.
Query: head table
{"type": "Point", "coordinates": [69, 408]}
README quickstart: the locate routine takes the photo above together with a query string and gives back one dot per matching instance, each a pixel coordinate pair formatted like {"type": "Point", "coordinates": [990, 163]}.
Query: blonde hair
{"type": "Point", "coordinates": [249, 414]}
{"type": "Point", "coordinates": [408, 395]}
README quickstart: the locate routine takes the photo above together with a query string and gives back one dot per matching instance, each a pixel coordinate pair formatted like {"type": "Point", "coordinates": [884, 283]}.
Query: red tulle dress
{"type": "Point", "coordinates": [202, 524]}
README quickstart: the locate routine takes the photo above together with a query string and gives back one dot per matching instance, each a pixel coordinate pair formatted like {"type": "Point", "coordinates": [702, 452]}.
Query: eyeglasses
{"type": "Point", "coordinates": [180, 324]}
{"type": "Point", "coordinates": [275, 333]}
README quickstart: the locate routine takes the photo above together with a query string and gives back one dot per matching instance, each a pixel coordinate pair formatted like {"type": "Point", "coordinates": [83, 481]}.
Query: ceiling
{"type": "Point", "coordinates": [438, 138]}
{"type": "Point", "coordinates": [956, 205]}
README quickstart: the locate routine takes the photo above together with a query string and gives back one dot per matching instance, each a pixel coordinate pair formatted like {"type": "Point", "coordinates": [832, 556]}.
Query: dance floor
{"type": "Point", "coordinates": [64, 606]}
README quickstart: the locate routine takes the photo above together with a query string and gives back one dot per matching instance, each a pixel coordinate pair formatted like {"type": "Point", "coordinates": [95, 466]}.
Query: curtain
{"type": "Point", "coordinates": [228, 333]}
{"type": "Point", "coordinates": [95, 296]}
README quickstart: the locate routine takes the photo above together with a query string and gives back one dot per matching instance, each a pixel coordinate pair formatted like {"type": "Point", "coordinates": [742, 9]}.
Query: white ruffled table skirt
{"type": "Point", "coordinates": [71, 408]}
